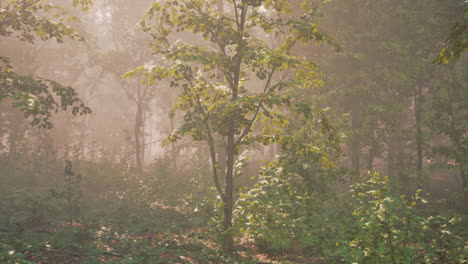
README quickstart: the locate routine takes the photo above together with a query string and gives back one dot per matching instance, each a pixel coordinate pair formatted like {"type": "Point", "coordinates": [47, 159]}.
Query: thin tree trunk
{"type": "Point", "coordinates": [12, 139]}
{"type": "Point", "coordinates": [230, 155]}
{"type": "Point", "coordinates": [173, 150]}
{"type": "Point", "coordinates": [229, 188]}
{"type": "Point", "coordinates": [221, 155]}
{"type": "Point", "coordinates": [370, 161]}
{"type": "Point", "coordinates": [143, 141]}
{"type": "Point", "coordinates": [456, 139]}
{"type": "Point", "coordinates": [396, 162]}
{"type": "Point", "coordinates": [464, 178]}
{"type": "Point", "coordinates": [220, 147]}
{"type": "Point", "coordinates": [70, 207]}
{"type": "Point", "coordinates": [137, 138]}
{"type": "Point", "coordinates": [150, 140]}
{"type": "Point", "coordinates": [13, 136]}
{"type": "Point", "coordinates": [392, 153]}
{"type": "Point", "coordinates": [355, 139]}
{"type": "Point", "coordinates": [419, 150]}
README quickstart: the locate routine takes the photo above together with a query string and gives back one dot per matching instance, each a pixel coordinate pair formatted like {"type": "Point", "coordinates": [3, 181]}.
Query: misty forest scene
{"type": "Point", "coordinates": [233, 131]}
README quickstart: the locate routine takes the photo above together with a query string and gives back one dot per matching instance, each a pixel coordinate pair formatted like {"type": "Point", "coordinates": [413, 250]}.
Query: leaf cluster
{"type": "Point", "coordinates": [21, 17]}
{"type": "Point", "coordinates": [37, 97]}
{"type": "Point", "coordinates": [215, 72]}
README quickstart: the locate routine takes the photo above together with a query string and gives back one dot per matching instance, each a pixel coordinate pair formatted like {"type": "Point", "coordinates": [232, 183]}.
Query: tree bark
{"type": "Point", "coordinates": [229, 188]}
{"type": "Point", "coordinates": [230, 154]}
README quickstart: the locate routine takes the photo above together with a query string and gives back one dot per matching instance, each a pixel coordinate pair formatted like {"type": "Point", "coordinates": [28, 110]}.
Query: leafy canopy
{"type": "Point", "coordinates": [227, 70]}
{"type": "Point", "coordinates": [232, 81]}
{"type": "Point", "coordinates": [37, 97]}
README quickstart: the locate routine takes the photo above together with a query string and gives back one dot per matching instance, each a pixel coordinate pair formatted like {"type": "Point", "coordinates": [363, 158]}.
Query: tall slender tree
{"type": "Point", "coordinates": [229, 89]}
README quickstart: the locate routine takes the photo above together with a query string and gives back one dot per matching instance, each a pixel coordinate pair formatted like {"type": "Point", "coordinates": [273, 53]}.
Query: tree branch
{"type": "Point", "coordinates": [210, 142]}
{"type": "Point", "coordinates": [266, 89]}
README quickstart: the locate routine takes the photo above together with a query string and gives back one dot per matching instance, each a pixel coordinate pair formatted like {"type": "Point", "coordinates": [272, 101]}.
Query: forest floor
{"type": "Point", "coordinates": [140, 235]}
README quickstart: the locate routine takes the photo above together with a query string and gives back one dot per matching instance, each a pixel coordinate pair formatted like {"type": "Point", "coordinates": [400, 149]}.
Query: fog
{"type": "Point", "coordinates": [233, 131]}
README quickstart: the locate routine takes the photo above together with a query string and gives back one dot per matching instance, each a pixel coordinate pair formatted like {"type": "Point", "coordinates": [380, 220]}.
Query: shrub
{"type": "Point", "coordinates": [389, 230]}
{"type": "Point", "coordinates": [293, 207]}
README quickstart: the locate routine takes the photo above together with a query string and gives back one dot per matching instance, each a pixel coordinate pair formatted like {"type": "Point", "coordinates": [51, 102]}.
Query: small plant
{"type": "Point", "coordinates": [72, 192]}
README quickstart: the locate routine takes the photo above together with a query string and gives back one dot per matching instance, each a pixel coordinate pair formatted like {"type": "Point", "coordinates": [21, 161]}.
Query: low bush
{"type": "Point", "coordinates": [390, 230]}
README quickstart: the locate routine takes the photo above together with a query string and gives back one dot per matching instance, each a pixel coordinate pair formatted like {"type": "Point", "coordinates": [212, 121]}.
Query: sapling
{"type": "Point", "coordinates": [72, 192]}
